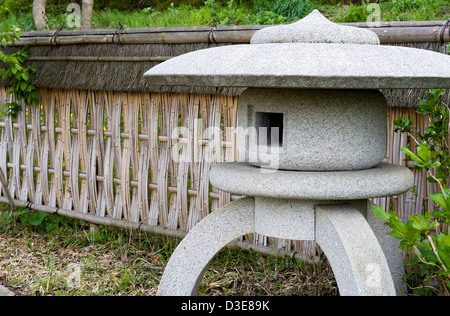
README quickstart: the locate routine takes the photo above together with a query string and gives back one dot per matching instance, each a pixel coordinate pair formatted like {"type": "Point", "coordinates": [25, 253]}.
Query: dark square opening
{"type": "Point", "coordinates": [269, 125]}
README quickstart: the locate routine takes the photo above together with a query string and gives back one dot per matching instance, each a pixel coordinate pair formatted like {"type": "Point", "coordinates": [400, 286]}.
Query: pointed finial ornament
{"type": "Point", "coordinates": [315, 28]}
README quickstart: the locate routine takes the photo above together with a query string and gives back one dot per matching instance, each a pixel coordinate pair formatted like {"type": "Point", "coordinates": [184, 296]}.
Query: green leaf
{"type": "Point", "coordinates": [424, 152]}
{"type": "Point", "coordinates": [397, 234]}
{"type": "Point", "coordinates": [36, 218]}
{"type": "Point", "coordinates": [443, 239]}
{"type": "Point", "coordinates": [411, 155]}
{"type": "Point", "coordinates": [380, 213]}
{"type": "Point", "coordinates": [435, 164]}
{"type": "Point", "coordinates": [420, 223]}
{"type": "Point", "coordinates": [439, 199]}
{"type": "Point", "coordinates": [403, 124]}
{"type": "Point", "coordinates": [438, 214]}
{"type": "Point", "coordinates": [444, 254]}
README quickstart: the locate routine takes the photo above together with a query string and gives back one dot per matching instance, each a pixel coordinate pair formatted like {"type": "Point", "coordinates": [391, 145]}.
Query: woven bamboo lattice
{"type": "Point", "coordinates": [143, 157]}
{"type": "Point", "coordinates": [123, 155]}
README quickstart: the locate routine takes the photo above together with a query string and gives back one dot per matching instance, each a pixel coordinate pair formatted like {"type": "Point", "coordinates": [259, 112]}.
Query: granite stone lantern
{"type": "Point", "coordinates": [312, 129]}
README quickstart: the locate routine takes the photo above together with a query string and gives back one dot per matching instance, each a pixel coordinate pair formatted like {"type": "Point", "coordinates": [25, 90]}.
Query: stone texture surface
{"type": "Point", "coordinates": [356, 257]}
{"type": "Point", "coordinates": [286, 219]}
{"type": "Point", "coordinates": [5, 292]}
{"type": "Point", "coordinates": [244, 179]}
{"type": "Point", "coordinates": [306, 65]}
{"type": "Point", "coordinates": [183, 273]}
{"type": "Point", "coordinates": [322, 129]}
{"type": "Point", "coordinates": [315, 28]}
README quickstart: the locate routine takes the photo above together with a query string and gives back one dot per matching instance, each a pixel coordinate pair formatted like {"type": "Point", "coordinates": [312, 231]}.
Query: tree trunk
{"type": "Point", "coordinates": [39, 16]}
{"type": "Point", "coordinates": [86, 14]}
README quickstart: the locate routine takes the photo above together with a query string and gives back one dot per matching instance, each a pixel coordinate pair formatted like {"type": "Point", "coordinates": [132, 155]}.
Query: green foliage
{"type": "Point", "coordinates": [410, 10]}
{"type": "Point", "coordinates": [294, 10]}
{"type": "Point", "coordinates": [174, 13]}
{"type": "Point", "coordinates": [403, 124]}
{"type": "Point", "coordinates": [432, 251]}
{"type": "Point", "coordinates": [4, 11]}
{"type": "Point", "coordinates": [399, 10]}
{"type": "Point", "coordinates": [423, 234]}
{"type": "Point", "coordinates": [434, 137]}
{"type": "Point", "coordinates": [18, 75]}
{"type": "Point", "coordinates": [18, 6]}
{"type": "Point", "coordinates": [25, 216]}
{"type": "Point", "coordinates": [355, 14]}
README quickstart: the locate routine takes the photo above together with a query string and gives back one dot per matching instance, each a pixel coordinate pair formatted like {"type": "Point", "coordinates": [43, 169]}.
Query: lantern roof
{"type": "Point", "coordinates": [311, 53]}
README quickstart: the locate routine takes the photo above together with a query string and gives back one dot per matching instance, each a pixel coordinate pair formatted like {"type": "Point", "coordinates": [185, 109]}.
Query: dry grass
{"type": "Point", "coordinates": [69, 258]}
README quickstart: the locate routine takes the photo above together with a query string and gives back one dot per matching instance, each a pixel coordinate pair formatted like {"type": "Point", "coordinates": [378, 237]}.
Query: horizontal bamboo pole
{"type": "Point", "coordinates": [99, 58]}
{"type": "Point", "coordinates": [104, 32]}
{"type": "Point", "coordinates": [431, 34]}
{"type": "Point", "coordinates": [154, 230]}
{"type": "Point", "coordinates": [106, 133]}
{"type": "Point", "coordinates": [396, 24]}
{"type": "Point", "coordinates": [117, 181]}
{"type": "Point", "coordinates": [389, 32]}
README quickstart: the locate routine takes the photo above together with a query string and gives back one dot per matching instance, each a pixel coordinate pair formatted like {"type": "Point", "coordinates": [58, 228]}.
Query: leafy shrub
{"type": "Point", "coordinates": [427, 235]}
{"type": "Point", "coordinates": [19, 76]}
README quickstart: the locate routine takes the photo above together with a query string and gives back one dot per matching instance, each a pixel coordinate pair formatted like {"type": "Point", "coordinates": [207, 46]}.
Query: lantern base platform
{"type": "Point", "coordinates": [242, 178]}
{"type": "Point", "coordinates": [365, 261]}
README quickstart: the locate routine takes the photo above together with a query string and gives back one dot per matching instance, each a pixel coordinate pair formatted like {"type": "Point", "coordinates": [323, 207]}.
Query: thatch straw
{"type": "Point", "coordinates": [120, 68]}
{"type": "Point", "coordinates": [106, 68]}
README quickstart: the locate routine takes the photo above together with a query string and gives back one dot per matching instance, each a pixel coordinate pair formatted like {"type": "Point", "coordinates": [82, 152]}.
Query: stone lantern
{"type": "Point", "coordinates": [312, 131]}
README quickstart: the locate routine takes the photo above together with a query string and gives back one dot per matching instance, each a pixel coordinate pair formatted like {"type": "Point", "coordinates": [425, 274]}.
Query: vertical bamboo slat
{"type": "Point", "coordinates": [144, 162]}
{"type": "Point", "coordinates": [194, 165]}
{"type": "Point", "coordinates": [172, 157]}
{"type": "Point", "coordinates": [108, 161]}
{"type": "Point", "coordinates": [155, 104]}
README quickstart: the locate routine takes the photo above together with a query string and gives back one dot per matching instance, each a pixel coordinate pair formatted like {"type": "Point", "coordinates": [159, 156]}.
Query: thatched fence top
{"type": "Point", "coordinates": [115, 60]}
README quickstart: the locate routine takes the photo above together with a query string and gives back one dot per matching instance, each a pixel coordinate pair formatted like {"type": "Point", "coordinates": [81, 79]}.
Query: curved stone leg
{"type": "Point", "coordinates": [355, 255]}
{"type": "Point", "coordinates": [191, 258]}
{"type": "Point", "coordinates": [389, 244]}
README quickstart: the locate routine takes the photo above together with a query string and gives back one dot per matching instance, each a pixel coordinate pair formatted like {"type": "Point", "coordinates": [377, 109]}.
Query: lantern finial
{"type": "Point", "coordinates": [315, 28]}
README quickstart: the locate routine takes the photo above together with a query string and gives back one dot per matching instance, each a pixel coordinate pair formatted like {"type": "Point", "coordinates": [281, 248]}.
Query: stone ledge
{"type": "Point", "coordinates": [244, 179]}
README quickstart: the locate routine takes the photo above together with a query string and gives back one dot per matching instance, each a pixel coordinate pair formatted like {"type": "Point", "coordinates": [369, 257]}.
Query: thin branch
{"type": "Point", "coordinates": [436, 253]}
{"type": "Point", "coordinates": [419, 255]}
{"type": "Point", "coordinates": [415, 140]}
{"type": "Point", "coordinates": [439, 182]}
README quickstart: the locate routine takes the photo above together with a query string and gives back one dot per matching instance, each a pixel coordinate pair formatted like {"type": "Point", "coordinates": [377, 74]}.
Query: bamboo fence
{"type": "Point", "coordinates": [145, 158]}
{"type": "Point", "coordinates": [141, 159]}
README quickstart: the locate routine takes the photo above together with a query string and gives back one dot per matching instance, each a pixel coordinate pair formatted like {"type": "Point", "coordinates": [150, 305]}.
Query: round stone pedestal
{"type": "Point", "coordinates": [363, 260]}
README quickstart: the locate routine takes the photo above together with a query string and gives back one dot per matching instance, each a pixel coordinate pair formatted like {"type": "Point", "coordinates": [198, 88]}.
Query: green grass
{"type": "Point", "coordinates": [65, 257]}
{"type": "Point", "coordinates": [262, 13]}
